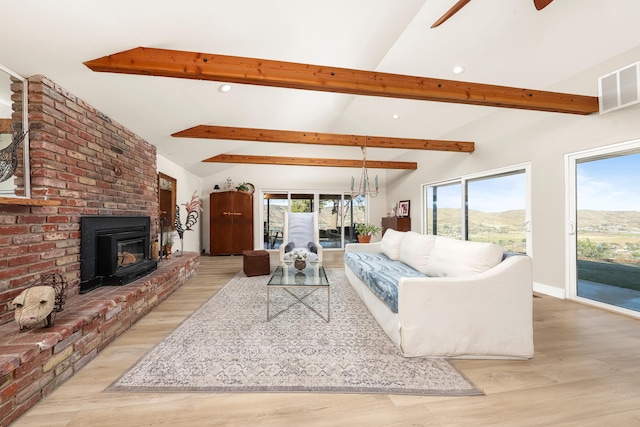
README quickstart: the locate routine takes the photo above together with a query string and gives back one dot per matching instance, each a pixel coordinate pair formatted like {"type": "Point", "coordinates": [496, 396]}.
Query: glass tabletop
{"type": "Point", "coordinates": [287, 275]}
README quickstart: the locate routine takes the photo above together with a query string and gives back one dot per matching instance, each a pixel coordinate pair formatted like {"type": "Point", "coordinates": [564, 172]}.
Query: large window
{"type": "Point", "coordinates": [337, 215]}
{"type": "Point", "coordinates": [489, 207]}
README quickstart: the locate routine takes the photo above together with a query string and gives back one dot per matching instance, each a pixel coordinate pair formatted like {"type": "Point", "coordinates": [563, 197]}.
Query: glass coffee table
{"type": "Point", "coordinates": [300, 284]}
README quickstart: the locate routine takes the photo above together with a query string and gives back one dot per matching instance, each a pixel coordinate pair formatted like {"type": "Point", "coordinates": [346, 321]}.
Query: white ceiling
{"type": "Point", "coordinates": [505, 42]}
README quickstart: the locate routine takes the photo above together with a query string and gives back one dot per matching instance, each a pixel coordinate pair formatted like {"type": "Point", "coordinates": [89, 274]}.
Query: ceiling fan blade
{"type": "Point", "coordinates": [541, 4]}
{"type": "Point", "coordinates": [449, 13]}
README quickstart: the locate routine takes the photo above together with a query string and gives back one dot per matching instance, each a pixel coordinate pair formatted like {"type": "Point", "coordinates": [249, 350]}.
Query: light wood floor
{"type": "Point", "coordinates": [586, 372]}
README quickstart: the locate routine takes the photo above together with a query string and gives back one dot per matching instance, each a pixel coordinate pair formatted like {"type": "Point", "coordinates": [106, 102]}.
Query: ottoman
{"type": "Point", "coordinates": [255, 263]}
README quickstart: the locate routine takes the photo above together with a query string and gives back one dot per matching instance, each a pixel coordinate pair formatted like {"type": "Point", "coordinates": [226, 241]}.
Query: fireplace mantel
{"type": "Point", "coordinates": [27, 202]}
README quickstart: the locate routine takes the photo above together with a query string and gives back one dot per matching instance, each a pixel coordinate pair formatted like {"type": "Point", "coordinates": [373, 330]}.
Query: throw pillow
{"type": "Point", "coordinates": [415, 249]}
{"type": "Point", "coordinates": [289, 247]}
{"type": "Point", "coordinates": [390, 243]}
{"type": "Point", "coordinates": [457, 258]}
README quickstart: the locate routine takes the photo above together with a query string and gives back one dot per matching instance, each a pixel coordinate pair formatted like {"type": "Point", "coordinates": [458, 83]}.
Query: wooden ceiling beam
{"type": "Point", "coordinates": [334, 139]}
{"type": "Point", "coordinates": [233, 69]}
{"type": "Point", "coordinates": [303, 161]}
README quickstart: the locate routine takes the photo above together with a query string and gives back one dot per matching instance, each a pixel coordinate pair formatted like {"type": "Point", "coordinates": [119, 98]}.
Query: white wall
{"type": "Point", "coordinates": [187, 183]}
{"type": "Point", "coordinates": [509, 137]}
{"type": "Point", "coordinates": [272, 177]}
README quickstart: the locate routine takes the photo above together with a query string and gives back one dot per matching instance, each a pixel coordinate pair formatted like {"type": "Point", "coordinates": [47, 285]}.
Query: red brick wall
{"type": "Point", "coordinates": [75, 151]}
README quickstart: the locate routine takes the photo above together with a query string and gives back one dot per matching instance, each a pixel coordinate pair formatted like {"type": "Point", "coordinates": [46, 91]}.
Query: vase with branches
{"type": "Point", "coordinates": [193, 207]}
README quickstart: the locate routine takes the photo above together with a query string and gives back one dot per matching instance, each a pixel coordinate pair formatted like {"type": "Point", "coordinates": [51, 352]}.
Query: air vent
{"type": "Point", "coordinates": [620, 88]}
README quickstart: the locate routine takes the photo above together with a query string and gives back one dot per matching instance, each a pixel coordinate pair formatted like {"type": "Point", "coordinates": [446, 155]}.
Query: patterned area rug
{"type": "Point", "coordinates": [228, 346]}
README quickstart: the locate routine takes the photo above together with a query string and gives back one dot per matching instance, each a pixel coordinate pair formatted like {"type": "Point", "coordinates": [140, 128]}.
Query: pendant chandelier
{"type": "Point", "coordinates": [364, 189]}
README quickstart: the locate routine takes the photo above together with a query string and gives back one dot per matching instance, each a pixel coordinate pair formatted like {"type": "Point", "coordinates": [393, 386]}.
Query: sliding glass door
{"type": "Point", "coordinates": [605, 226]}
{"type": "Point", "coordinates": [337, 215]}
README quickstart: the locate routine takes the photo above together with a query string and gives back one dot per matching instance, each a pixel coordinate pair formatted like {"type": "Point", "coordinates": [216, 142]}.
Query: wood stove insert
{"type": "Point", "coordinates": [114, 250]}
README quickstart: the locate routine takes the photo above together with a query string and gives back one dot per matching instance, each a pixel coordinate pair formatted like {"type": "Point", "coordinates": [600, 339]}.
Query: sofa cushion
{"type": "Point", "coordinates": [456, 258]}
{"type": "Point", "coordinates": [390, 243]}
{"type": "Point", "coordinates": [384, 282]}
{"type": "Point", "coordinates": [380, 274]}
{"type": "Point", "coordinates": [415, 249]}
{"type": "Point", "coordinates": [363, 262]}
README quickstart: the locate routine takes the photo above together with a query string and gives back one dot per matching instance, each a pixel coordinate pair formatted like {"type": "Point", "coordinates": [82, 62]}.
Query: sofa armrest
{"type": "Point", "coordinates": [489, 314]}
{"type": "Point", "coordinates": [363, 247]}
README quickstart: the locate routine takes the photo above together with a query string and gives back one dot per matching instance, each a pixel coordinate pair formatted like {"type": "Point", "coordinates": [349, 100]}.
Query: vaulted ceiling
{"type": "Point", "coordinates": [498, 42]}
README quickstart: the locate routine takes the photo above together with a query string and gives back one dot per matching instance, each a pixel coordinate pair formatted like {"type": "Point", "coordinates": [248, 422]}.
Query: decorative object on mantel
{"type": "Point", "coordinates": [9, 156]}
{"type": "Point", "coordinates": [394, 208]}
{"type": "Point", "coordinates": [40, 302]}
{"type": "Point", "coordinates": [365, 231]}
{"type": "Point", "coordinates": [364, 189]}
{"type": "Point", "coordinates": [160, 221]}
{"type": "Point", "coordinates": [194, 207]}
{"type": "Point", "coordinates": [167, 243]}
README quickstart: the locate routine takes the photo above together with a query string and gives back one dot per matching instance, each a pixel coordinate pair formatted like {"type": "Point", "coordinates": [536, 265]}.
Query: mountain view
{"type": "Point", "coordinates": [609, 235]}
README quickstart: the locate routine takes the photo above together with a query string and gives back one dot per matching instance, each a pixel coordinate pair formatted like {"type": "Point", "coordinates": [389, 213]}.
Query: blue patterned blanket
{"type": "Point", "coordinates": [380, 274]}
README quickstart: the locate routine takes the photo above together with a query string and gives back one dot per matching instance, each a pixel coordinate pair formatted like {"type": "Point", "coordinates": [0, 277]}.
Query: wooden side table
{"type": "Point", "coordinates": [396, 223]}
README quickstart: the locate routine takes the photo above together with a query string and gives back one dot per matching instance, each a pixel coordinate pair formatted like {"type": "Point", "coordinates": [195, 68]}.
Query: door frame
{"type": "Point", "coordinates": [571, 160]}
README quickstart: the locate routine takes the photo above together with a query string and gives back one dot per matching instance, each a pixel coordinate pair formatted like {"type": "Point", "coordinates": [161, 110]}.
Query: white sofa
{"type": "Point", "coordinates": [455, 299]}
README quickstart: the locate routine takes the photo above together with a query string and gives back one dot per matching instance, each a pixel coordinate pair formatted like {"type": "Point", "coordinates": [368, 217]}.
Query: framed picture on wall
{"type": "Point", "coordinates": [403, 208]}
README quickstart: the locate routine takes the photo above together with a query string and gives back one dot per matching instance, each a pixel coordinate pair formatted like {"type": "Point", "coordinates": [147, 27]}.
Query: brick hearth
{"type": "Point", "coordinates": [33, 363]}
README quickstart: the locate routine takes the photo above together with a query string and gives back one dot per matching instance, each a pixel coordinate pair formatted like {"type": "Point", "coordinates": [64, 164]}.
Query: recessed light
{"type": "Point", "coordinates": [458, 69]}
{"type": "Point", "coordinates": [224, 88]}
{"type": "Point", "coordinates": [395, 116]}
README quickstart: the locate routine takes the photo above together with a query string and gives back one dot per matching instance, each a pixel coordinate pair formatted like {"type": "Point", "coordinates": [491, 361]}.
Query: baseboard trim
{"type": "Point", "coordinates": [549, 290]}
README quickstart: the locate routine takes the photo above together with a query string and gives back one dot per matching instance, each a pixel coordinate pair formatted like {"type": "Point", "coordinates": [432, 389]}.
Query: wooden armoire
{"type": "Point", "coordinates": [231, 222]}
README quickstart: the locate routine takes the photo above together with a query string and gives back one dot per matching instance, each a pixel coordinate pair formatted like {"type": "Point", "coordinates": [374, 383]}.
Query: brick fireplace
{"type": "Point", "coordinates": [89, 163]}
{"type": "Point", "coordinates": [91, 166]}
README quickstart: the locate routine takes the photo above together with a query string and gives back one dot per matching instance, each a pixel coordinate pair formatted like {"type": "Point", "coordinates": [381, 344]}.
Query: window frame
{"type": "Point", "coordinates": [463, 181]}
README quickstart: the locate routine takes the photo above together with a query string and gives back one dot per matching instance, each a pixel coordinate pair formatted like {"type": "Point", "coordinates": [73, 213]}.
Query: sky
{"type": "Point", "coordinates": [609, 184]}
{"type": "Point", "coordinates": [499, 194]}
